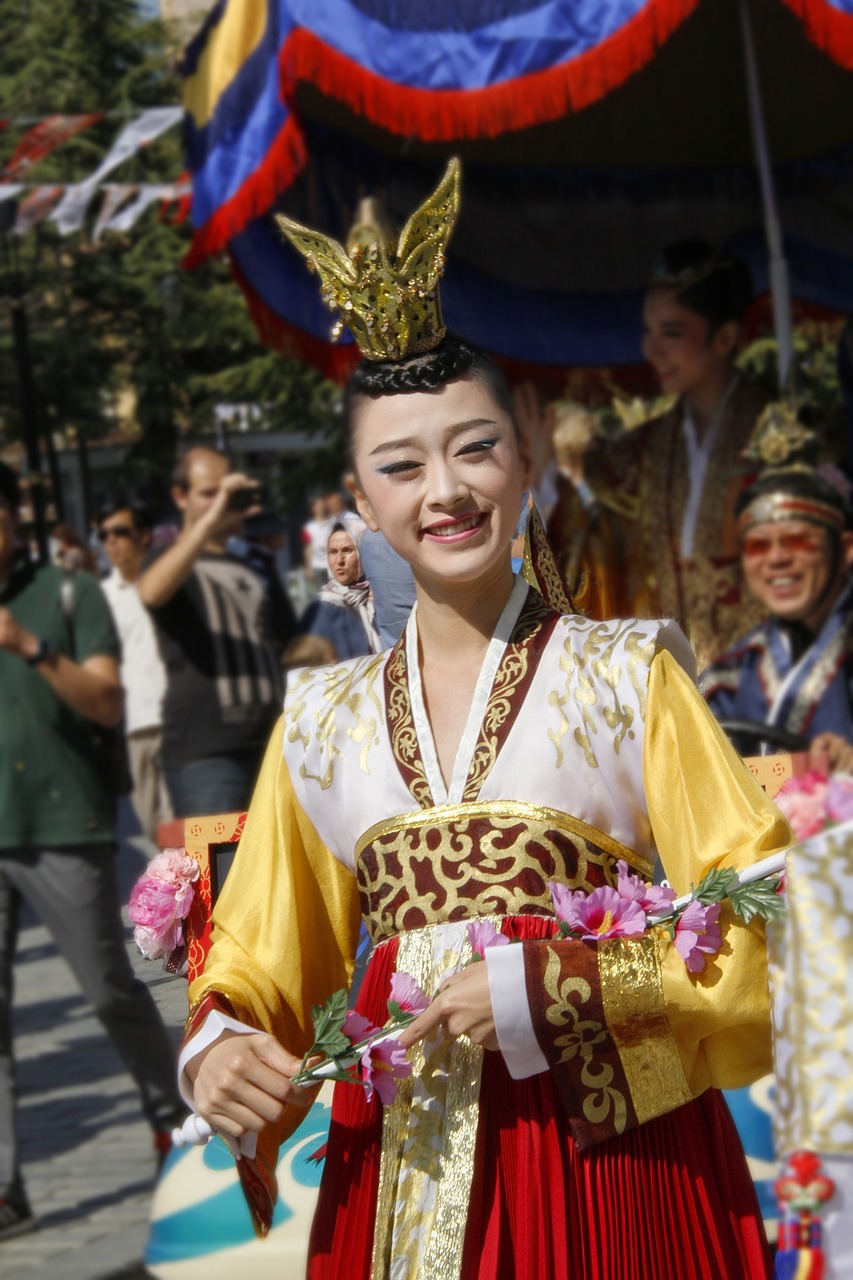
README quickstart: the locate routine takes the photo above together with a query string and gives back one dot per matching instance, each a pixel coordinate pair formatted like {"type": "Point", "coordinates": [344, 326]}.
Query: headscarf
{"type": "Point", "coordinates": [356, 595]}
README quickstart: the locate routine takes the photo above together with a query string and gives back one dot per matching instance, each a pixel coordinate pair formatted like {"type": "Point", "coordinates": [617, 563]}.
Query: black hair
{"type": "Point", "coordinates": [716, 285]}
{"type": "Point", "coordinates": [10, 489]}
{"type": "Point", "coordinates": [452, 358]}
{"type": "Point", "coordinates": [799, 484]}
{"type": "Point", "coordinates": [142, 520]}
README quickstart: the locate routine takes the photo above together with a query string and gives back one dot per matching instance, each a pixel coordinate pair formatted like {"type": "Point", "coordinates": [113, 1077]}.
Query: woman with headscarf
{"type": "Point", "coordinates": [342, 610]}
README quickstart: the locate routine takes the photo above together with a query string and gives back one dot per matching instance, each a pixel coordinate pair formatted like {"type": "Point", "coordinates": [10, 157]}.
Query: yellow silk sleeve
{"type": "Point", "coordinates": [707, 810]}
{"type": "Point", "coordinates": [286, 923]}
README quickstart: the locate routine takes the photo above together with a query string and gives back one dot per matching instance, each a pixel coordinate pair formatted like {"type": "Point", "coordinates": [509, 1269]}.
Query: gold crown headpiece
{"type": "Point", "coordinates": [786, 452]}
{"type": "Point", "coordinates": [385, 287]}
{"type": "Point", "coordinates": [780, 441]}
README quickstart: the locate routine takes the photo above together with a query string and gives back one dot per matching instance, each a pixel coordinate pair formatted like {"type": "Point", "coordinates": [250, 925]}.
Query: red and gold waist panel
{"type": "Point", "coordinates": [455, 862]}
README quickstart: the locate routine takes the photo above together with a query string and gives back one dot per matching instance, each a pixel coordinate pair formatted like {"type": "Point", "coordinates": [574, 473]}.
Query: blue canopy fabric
{"type": "Point", "coordinates": [591, 132]}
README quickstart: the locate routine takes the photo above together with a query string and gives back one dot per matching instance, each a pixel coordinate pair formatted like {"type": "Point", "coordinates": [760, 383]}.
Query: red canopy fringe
{"type": "Point", "coordinates": [829, 28]}
{"type": "Point", "coordinates": [334, 361]}
{"type": "Point", "coordinates": [434, 115]}
{"type": "Point", "coordinates": [443, 115]}
{"type": "Point", "coordinates": [283, 161]}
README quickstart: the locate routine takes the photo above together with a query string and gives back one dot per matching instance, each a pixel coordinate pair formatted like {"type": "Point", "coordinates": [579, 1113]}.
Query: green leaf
{"type": "Point", "coordinates": [337, 1045]}
{"type": "Point", "coordinates": [758, 899]}
{"type": "Point", "coordinates": [715, 885]}
{"type": "Point", "coordinates": [328, 1020]}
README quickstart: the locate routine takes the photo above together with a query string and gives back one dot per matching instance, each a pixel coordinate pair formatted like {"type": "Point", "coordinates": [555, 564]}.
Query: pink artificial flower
{"type": "Point", "coordinates": [697, 934]}
{"type": "Point", "coordinates": [173, 864]}
{"type": "Point", "coordinates": [153, 904]}
{"type": "Point", "coordinates": [803, 802]}
{"type": "Point", "coordinates": [483, 934]}
{"type": "Point", "coordinates": [149, 942]}
{"type": "Point", "coordinates": [357, 1027]}
{"type": "Point", "coordinates": [600, 914]}
{"type": "Point", "coordinates": [839, 798]}
{"type": "Point", "coordinates": [655, 899]}
{"type": "Point", "coordinates": [407, 995]}
{"type": "Point", "coordinates": [160, 900]}
{"type": "Point", "coordinates": [382, 1065]}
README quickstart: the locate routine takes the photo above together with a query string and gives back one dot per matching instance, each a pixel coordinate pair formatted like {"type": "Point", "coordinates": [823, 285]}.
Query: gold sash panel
{"type": "Point", "coordinates": [461, 862]}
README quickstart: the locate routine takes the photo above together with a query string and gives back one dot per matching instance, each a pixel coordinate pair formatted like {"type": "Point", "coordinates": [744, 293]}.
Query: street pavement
{"type": "Point", "coordinates": [86, 1149]}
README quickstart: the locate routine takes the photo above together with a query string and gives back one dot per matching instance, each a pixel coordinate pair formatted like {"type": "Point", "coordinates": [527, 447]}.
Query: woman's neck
{"type": "Point", "coordinates": [704, 402]}
{"type": "Point", "coordinates": [457, 621]}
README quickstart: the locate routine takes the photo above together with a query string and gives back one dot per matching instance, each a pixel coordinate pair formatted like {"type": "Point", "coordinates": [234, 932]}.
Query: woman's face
{"type": "Point", "coordinates": [342, 555]}
{"type": "Point", "coordinates": [678, 344]}
{"type": "Point", "coordinates": [441, 475]}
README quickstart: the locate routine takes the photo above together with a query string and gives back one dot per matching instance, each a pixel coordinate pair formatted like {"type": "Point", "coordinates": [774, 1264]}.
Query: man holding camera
{"type": "Point", "coordinates": [221, 630]}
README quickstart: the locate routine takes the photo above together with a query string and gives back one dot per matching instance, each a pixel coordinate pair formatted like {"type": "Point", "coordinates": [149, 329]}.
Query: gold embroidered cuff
{"type": "Point", "coordinates": [599, 1018]}
{"type": "Point", "coordinates": [632, 999]}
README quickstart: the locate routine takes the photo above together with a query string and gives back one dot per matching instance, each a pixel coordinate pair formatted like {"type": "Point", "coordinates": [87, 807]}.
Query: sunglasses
{"type": "Point", "coordinates": [115, 531]}
{"type": "Point", "coordinates": [791, 543]}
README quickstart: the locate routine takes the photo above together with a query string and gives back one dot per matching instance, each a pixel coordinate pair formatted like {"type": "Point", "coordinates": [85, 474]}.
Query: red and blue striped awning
{"type": "Point", "coordinates": [586, 127]}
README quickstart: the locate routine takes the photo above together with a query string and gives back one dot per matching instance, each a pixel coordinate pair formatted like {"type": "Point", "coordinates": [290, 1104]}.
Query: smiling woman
{"type": "Point", "coordinates": [442, 473]}
{"type": "Point", "coordinates": [662, 539]}
{"type": "Point", "coordinates": [500, 753]}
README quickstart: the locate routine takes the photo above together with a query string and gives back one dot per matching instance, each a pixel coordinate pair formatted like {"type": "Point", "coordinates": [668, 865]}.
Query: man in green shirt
{"type": "Point", "coordinates": [59, 683]}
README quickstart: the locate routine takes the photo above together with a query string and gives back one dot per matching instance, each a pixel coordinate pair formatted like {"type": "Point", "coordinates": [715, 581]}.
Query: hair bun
{"type": "Point", "coordinates": [425, 372]}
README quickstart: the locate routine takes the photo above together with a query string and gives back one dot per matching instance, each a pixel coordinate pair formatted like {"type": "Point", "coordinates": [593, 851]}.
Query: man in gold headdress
{"type": "Point", "coordinates": [794, 670]}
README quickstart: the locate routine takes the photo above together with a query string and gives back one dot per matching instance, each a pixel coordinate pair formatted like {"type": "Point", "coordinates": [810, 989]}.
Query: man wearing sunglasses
{"type": "Point", "coordinates": [124, 531]}
{"type": "Point", "coordinates": [795, 670]}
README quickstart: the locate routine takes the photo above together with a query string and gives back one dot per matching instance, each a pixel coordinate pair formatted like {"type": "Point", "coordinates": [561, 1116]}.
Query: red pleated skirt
{"type": "Point", "coordinates": [670, 1200]}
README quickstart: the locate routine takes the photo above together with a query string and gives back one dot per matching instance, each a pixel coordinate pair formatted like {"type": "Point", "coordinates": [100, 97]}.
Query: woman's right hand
{"type": "Point", "coordinates": [243, 1083]}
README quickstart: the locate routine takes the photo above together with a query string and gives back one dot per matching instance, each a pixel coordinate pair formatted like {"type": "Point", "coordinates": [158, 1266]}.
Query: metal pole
{"type": "Point", "coordinates": [780, 290]}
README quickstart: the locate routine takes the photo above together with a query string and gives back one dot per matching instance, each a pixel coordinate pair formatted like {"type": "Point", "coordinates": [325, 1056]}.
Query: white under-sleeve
{"type": "Point", "coordinates": [214, 1025]}
{"type": "Point", "coordinates": [513, 1023]}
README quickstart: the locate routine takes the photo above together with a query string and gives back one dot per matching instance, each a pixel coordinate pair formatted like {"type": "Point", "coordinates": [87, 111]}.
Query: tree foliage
{"type": "Point", "coordinates": [121, 337]}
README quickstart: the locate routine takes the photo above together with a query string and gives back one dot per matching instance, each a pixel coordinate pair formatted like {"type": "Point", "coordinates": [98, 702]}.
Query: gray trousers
{"type": "Point", "coordinates": [150, 796]}
{"type": "Point", "coordinates": [74, 893]}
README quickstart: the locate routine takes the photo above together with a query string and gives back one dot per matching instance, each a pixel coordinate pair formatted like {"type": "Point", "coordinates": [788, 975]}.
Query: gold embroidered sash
{"type": "Point", "coordinates": [429, 1133]}
{"type": "Point", "coordinates": [458, 862]}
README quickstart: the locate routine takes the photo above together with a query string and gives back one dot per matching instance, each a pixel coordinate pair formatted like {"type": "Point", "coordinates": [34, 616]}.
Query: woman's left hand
{"type": "Point", "coordinates": [463, 1007]}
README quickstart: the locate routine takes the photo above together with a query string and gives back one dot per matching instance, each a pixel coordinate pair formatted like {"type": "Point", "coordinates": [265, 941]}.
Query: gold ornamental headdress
{"type": "Point", "coordinates": [780, 441]}
{"type": "Point", "coordinates": [790, 485]}
{"type": "Point", "coordinates": [385, 287]}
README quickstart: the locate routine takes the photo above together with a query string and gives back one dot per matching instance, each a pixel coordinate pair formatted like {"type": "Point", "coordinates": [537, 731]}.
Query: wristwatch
{"type": "Point", "coordinates": [45, 650]}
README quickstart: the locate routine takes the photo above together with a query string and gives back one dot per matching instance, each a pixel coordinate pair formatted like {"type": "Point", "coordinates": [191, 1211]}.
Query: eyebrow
{"type": "Point", "coordinates": [410, 442]}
